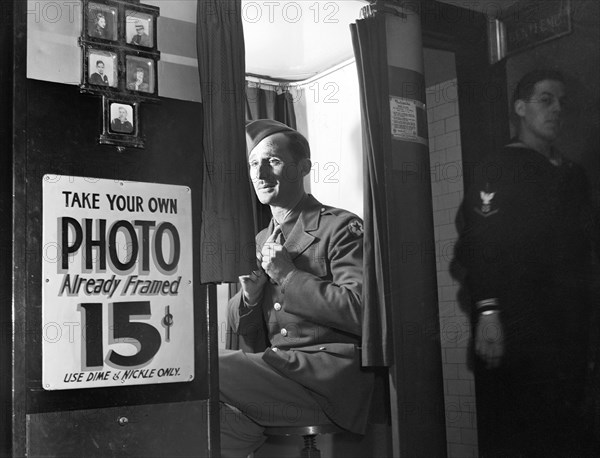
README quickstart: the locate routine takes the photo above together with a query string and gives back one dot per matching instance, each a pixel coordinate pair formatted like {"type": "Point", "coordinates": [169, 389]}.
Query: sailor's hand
{"type": "Point", "coordinates": [489, 339]}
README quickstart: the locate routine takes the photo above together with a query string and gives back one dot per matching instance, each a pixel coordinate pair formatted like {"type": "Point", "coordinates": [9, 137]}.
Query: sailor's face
{"type": "Point", "coordinates": [541, 115]}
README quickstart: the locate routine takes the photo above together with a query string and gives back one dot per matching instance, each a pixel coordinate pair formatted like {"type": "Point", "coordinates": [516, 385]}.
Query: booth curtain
{"type": "Point", "coordinates": [369, 39]}
{"type": "Point", "coordinates": [274, 104]}
{"type": "Point", "coordinates": [227, 233]}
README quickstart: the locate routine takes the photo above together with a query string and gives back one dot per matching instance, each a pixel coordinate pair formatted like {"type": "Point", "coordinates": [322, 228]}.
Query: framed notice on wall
{"type": "Point", "coordinates": [117, 299]}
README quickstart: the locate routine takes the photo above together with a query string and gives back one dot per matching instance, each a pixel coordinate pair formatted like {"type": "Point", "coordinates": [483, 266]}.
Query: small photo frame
{"type": "Point", "coordinates": [102, 68]}
{"type": "Point", "coordinates": [101, 21]}
{"type": "Point", "coordinates": [121, 123]}
{"type": "Point", "coordinates": [140, 74]}
{"type": "Point", "coordinates": [122, 119]}
{"type": "Point", "coordinates": [139, 29]}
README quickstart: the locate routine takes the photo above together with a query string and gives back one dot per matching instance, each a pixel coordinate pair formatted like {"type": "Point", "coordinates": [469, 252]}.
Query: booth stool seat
{"type": "Point", "coordinates": [309, 433]}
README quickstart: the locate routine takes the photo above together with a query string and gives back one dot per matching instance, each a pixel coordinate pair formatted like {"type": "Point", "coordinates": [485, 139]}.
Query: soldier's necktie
{"type": "Point", "coordinates": [276, 237]}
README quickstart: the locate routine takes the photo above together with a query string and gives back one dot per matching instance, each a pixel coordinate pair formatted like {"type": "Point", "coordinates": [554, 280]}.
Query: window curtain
{"type": "Point", "coordinates": [368, 39]}
{"type": "Point", "coordinates": [275, 103]}
{"type": "Point", "coordinates": [227, 232]}
{"type": "Point", "coordinates": [261, 103]}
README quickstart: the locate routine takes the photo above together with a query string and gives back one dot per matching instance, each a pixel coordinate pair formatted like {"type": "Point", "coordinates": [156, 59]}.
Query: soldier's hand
{"type": "Point", "coordinates": [489, 339]}
{"type": "Point", "coordinates": [253, 284]}
{"type": "Point", "coordinates": [276, 261]}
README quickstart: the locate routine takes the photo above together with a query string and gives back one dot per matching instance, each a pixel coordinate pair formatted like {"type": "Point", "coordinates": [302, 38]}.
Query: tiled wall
{"type": "Point", "coordinates": [447, 191]}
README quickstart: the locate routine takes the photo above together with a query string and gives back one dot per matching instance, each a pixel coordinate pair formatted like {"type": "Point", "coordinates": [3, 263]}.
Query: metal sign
{"type": "Point", "coordinates": [404, 116]}
{"type": "Point", "coordinates": [117, 299]}
{"type": "Point", "coordinates": [529, 24]}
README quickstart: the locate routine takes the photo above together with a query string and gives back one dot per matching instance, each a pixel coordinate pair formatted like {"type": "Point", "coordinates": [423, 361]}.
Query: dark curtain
{"type": "Point", "coordinates": [261, 104]}
{"type": "Point", "coordinates": [227, 235]}
{"type": "Point", "coordinates": [274, 104]}
{"type": "Point", "coordinates": [369, 39]}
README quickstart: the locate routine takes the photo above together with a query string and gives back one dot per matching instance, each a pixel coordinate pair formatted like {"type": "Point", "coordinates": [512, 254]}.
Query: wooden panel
{"type": "Point", "coordinates": [151, 431]}
{"type": "Point", "coordinates": [62, 131]}
{"type": "Point", "coordinates": [59, 135]}
{"type": "Point", "coordinates": [482, 94]}
{"type": "Point", "coordinates": [55, 131]}
{"type": "Point", "coordinates": [6, 81]}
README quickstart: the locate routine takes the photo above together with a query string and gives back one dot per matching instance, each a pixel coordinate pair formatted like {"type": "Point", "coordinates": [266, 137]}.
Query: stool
{"type": "Point", "coordinates": [309, 433]}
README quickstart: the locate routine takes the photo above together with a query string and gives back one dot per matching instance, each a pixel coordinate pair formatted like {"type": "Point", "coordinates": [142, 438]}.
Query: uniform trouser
{"type": "Point", "coordinates": [528, 410]}
{"type": "Point", "coordinates": [254, 396]}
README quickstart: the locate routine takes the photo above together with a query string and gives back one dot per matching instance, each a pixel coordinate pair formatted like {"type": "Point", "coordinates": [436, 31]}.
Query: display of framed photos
{"type": "Point", "coordinates": [119, 43]}
{"type": "Point", "coordinates": [121, 123]}
{"type": "Point", "coordinates": [120, 63]}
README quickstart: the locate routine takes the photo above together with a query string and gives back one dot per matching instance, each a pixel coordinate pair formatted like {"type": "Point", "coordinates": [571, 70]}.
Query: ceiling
{"type": "Point", "coordinates": [296, 40]}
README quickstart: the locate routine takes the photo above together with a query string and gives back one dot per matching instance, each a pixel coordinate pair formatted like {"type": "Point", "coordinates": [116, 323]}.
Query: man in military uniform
{"type": "Point", "coordinates": [141, 38]}
{"type": "Point", "coordinates": [527, 249]}
{"type": "Point", "coordinates": [298, 315]}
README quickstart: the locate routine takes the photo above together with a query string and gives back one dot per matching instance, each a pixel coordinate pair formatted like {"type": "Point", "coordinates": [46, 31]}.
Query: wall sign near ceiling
{"type": "Point", "coordinates": [117, 298]}
{"type": "Point", "coordinates": [529, 24]}
{"type": "Point", "coordinates": [120, 63]}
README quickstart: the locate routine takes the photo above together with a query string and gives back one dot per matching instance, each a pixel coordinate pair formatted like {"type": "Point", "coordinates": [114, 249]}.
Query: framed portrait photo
{"type": "Point", "coordinates": [140, 74]}
{"type": "Point", "coordinates": [122, 119]}
{"type": "Point", "coordinates": [101, 68]}
{"type": "Point", "coordinates": [101, 21]}
{"type": "Point", "coordinates": [121, 125]}
{"type": "Point", "coordinates": [139, 29]}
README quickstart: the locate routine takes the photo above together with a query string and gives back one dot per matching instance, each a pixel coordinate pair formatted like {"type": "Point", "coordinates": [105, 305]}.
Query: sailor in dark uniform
{"type": "Point", "coordinates": [527, 248]}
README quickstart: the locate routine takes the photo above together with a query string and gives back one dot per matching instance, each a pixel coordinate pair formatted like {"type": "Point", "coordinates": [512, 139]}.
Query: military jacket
{"type": "Point", "coordinates": [309, 330]}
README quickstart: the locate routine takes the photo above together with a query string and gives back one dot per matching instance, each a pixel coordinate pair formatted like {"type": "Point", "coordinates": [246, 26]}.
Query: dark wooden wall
{"type": "Point", "coordinates": [6, 80]}
{"type": "Point", "coordinates": [62, 128]}
{"type": "Point", "coordinates": [482, 93]}
{"type": "Point", "coordinates": [49, 128]}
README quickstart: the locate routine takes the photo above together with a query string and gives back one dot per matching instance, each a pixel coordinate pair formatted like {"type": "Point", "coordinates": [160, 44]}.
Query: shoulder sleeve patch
{"type": "Point", "coordinates": [355, 227]}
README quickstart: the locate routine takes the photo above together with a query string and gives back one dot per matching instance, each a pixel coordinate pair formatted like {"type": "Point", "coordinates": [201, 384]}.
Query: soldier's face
{"type": "Point", "coordinates": [276, 176]}
{"type": "Point", "coordinates": [100, 68]}
{"type": "Point", "coordinates": [541, 114]}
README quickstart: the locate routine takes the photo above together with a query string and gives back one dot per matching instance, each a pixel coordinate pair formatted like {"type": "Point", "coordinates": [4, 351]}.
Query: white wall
{"type": "Point", "coordinates": [53, 53]}
{"type": "Point", "coordinates": [447, 192]}
{"type": "Point", "coordinates": [331, 122]}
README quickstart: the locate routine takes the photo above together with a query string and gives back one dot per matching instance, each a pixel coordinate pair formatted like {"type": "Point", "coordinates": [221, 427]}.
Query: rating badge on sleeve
{"type": "Point", "coordinates": [487, 208]}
